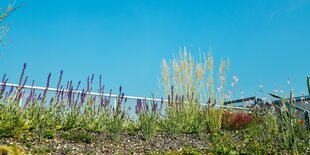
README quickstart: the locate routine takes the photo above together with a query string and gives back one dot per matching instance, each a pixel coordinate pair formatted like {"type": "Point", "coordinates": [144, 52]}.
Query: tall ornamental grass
{"type": "Point", "coordinates": [189, 84]}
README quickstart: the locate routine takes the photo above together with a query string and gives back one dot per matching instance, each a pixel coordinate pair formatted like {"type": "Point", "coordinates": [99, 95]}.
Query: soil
{"type": "Point", "coordinates": [101, 144]}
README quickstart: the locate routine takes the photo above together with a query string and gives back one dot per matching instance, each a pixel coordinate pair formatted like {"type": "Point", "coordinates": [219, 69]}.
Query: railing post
{"type": "Point", "coordinates": [115, 102]}
{"type": "Point", "coordinates": [21, 98]}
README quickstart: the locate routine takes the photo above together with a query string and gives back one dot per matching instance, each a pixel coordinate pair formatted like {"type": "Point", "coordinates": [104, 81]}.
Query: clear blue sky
{"type": "Point", "coordinates": [266, 40]}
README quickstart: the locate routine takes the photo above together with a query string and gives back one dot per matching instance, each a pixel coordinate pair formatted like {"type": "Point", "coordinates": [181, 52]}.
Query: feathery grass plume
{"type": "Point", "coordinates": [189, 77]}
{"type": "Point", "coordinates": [193, 82]}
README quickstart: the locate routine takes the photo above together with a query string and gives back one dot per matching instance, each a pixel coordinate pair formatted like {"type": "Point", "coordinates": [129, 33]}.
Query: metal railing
{"type": "Point", "coordinates": [108, 95]}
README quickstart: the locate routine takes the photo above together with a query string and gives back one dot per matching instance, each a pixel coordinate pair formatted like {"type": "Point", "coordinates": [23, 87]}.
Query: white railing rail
{"type": "Point", "coordinates": [106, 95]}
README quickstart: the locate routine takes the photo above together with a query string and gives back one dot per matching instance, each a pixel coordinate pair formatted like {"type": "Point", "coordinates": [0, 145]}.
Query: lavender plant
{"type": "Point", "coordinates": [148, 117]}
{"type": "Point", "coordinates": [116, 117]}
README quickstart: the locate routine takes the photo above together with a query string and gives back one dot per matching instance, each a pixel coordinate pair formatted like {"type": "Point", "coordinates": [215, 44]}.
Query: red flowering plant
{"type": "Point", "coordinates": [233, 120]}
{"type": "Point", "coordinates": [302, 122]}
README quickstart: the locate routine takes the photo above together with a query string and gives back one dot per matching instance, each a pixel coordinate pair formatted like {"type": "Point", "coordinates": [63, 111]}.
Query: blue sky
{"type": "Point", "coordinates": [267, 41]}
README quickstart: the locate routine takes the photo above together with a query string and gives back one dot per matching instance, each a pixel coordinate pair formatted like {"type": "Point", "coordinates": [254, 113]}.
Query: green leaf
{"type": "Point", "coordinates": [275, 96]}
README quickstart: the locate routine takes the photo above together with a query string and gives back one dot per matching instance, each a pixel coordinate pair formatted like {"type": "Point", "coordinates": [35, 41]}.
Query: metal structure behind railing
{"type": "Point", "coordinates": [107, 95]}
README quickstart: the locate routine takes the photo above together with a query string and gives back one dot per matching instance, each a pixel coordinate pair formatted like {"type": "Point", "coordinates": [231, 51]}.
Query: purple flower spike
{"type": "Point", "coordinates": [154, 107]}
{"type": "Point", "coordinates": [138, 106]}
{"type": "Point", "coordinates": [122, 97]}
{"type": "Point", "coordinates": [59, 81]}
{"type": "Point", "coordinates": [120, 90]}
{"type": "Point", "coordinates": [3, 87]}
{"type": "Point", "coordinates": [25, 81]}
{"type": "Point", "coordinates": [161, 104]}
{"type": "Point", "coordinates": [169, 102]}
{"type": "Point", "coordinates": [39, 97]}
{"type": "Point", "coordinates": [30, 96]}
{"type": "Point", "coordinates": [88, 84]}
{"type": "Point", "coordinates": [22, 74]}
{"type": "Point", "coordinates": [70, 84]}
{"type": "Point", "coordinates": [22, 92]}
{"type": "Point", "coordinates": [78, 85]}
{"type": "Point", "coordinates": [62, 94]}
{"type": "Point", "coordinates": [51, 101]}
{"type": "Point", "coordinates": [172, 92]}
{"type": "Point", "coordinates": [177, 102]}
{"type": "Point", "coordinates": [94, 99]}
{"type": "Point", "coordinates": [3, 78]}
{"type": "Point", "coordinates": [47, 86]}
{"type": "Point", "coordinates": [110, 96]}
{"type": "Point", "coordinates": [67, 87]}
{"type": "Point", "coordinates": [82, 96]}
{"type": "Point", "coordinates": [10, 92]}
{"type": "Point", "coordinates": [146, 107]}
{"type": "Point", "coordinates": [77, 99]}
{"type": "Point", "coordinates": [92, 78]}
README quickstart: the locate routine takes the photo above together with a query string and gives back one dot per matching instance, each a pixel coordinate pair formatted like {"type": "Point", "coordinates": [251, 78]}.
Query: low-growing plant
{"type": "Point", "coordinates": [11, 120]}
{"type": "Point", "coordinates": [261, 135]}
{"type": "Point", "coordinates": [116, 117]}
{"type": "Point", "coordinates": [223, 143]}
{"type": "Point", "coordinates": [148, 118]}
{"type": "Point", "coordinates": [11, 150]}
{"type": "Point", "coordinates": [214, 119]}
{"type": "Point", "coordinates": [41, 150]}
{"type": "Point", "coordinates": [285, 112]}
{"type": "Point", "coordinates": [233, 120]}
{"type": "Point", "coordinates": [77, 136]}
{"type": "Point", "coordinates": [49, 134]}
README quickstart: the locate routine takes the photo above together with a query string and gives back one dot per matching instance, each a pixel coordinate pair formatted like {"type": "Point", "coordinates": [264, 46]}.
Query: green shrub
{"type": "Point", "coordinates": [214, 119]}
{"type": "Point", "coordinates": [11, 150]}
{"type": "Point", "coordinates": [49, 134]}
{"type": "Point", "coordinates": [77, 136]}
{"type": "Point", "coordinates": [11, 120]}
{"type": "Point", "coordinates": [148, 118]}
{"type": "Point", "coordinates": [41, 150]}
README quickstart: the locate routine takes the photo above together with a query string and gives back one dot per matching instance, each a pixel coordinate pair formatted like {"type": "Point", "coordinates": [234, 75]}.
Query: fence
{"type": "Point", "coordinates": [115, 97]}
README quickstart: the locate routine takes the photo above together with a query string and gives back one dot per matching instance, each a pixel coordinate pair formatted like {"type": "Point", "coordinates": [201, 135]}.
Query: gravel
{"type": "Point", "coordinates": [101, 144]}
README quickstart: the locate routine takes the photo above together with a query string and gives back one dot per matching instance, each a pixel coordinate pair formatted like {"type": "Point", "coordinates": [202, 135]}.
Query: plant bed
{"type": "Point", "coordinates": [101, 144]}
